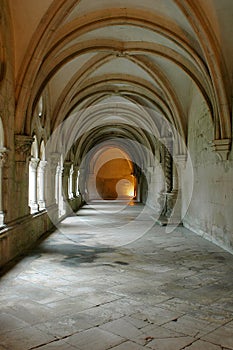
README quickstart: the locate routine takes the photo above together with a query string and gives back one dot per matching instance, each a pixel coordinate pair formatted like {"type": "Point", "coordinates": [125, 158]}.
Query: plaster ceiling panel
{"type": "Point", "coordinates": [220, 16]}
{"type": "Point", "coordinates": [123, 66]}
{"type": "Point", "coordinates": [115, 99]}
{"type": "Point", "coordinates": [131, 100]}
{"type": "Point", "coordinates": [162, 7]}
{"type": "Point", "coordinates": [26, 16]}
{"type": "Point", "coordinates": [179, 80]}
{"type": "Point", "coordinates": [131, 33]}
{"type": "Point", "coordinates": [120, 103]}
{"type": "Point", "coordinates": [65, 74]}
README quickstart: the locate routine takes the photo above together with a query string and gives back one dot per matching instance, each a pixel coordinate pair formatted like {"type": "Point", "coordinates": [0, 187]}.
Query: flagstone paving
{"type": "Point", "coordinates": [95, 285]}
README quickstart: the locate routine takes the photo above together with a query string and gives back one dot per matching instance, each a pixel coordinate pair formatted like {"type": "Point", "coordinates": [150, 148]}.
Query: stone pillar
{"type": "Point", "coordinates": [57, 183]}
{"type": "Point", "coordinates": [71, 183]}
{"type": "Point", "coordinates": [172, 199]}
{"type": "Point", "coordinates": [64, 189]}
{"type": "Point", "coordinates": [3, 157]}
{"type": "Point", "coordinates": [91, 192]}
{"type": "Point", "coordinates": [41, 184]}
{"type": "Point", "coordinates": [75, 181]}
{"type": "Point", "coordinates": [33, 165]}
{"type": "Point", "coordinates": [50, 179]}
{"type": "Point", "coordinates": [65, 180]}
{"type": "Point", "coordinates": [60, 199]}
{"type": "Point", "coordinates": [176, 194]}
{"type": "Point", "coordinates": [82, 183]}
{"type": "Point", "coordinates": [49, 188]}
{"type": "Point", "coordinates": [175, 178]}
{"type": "Point", "coordinates": [22, 153]}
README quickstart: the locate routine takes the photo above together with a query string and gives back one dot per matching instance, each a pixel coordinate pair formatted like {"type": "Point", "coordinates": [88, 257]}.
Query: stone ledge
{"type": "Point", "coordinates": [19, 235]}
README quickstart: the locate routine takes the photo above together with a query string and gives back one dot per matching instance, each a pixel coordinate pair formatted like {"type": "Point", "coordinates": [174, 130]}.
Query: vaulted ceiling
{"type": "Point", "coordinates": [122, 68]}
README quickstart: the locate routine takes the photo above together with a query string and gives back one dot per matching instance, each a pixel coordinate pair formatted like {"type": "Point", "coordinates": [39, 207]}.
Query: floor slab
{"type": "Point", "coordinates": [111, 278]}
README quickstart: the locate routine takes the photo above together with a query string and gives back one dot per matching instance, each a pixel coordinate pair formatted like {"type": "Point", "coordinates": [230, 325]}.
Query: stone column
{"type": "Point", "coordinates": [75, 181]}
{"type": "Point", "coordinates": [3, 157]}
{"type": "Point", "coordinates": [64, 189]}
{"type": "Point", "coordinates": [57, 182]}
{"type": "Point", "coordinates": [65, 180]}
{"type": "Point", "coordinates": [41, 184]}
{"type": "Point", "coordinates": [50, 179]}
{"type": "Point", "coordinates": [33, 165]}
{"type": "Point", "coordinates": [71, 183]}
{"type": "Point", "coordinates": [176, 194]}
{"type": "Point", "coordinates": [22, 153]}
{"type": "Point", "coordinates": [82, 183]}
{"type": "Point", "coordinates": [49, 188]}
{"type": "Point", "coordinates": [60, 199]}
{"type": "Point", "coordinates": [91, 192]}
{"type": "Point", "coordinates": [175, 178]}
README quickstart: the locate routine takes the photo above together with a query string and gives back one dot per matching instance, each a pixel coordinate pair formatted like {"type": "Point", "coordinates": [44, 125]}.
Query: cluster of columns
{"type": "Point", "coordinates": [63, 179]}
{"type": "Point", "coordinates": [3, 157]}
{"type": "Point", "coordinates": [37, 170]}
{"type": "Point", "coordinates": [62, 183]}
{"type": "Point", "coordinates": [40, 184]}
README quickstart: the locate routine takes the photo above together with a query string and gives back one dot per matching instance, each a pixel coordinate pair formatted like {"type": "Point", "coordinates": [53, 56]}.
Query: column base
{"type": "Point", "coordinates": [171, 214]}
{"type": "Point", "coordinates": [34, 208]}
{"type": "Point", "coordinates": [165, 221]}
{"type": "Point", "coordinates": [42, 205]}
{"type": "Point", "coordinates": [2, 216]}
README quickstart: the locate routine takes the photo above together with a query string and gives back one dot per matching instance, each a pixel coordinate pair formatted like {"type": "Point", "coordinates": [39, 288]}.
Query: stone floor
{"type": "Point", "coordinates": [109, 278]}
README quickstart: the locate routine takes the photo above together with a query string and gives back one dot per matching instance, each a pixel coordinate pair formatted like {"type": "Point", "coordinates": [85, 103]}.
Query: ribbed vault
{"type": "Point", "coordinates": [151, 55]}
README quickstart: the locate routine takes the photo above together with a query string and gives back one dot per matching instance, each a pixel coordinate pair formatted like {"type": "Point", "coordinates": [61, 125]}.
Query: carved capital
{"type": "Point", "coordinates": [23, 145]}
{"type": "Point", "coordinates": [42, 165]}
{"type": "Point", "coordinates": [222, 148]}
{"type": "Point", "coordinates": [167, 142]}
{"type": "Point", "coordinates": [3, 156]}
{"type": "Point", "coordinates": [53, 161]}
{"type": "Point", "coordinates": [180, 160]}
{"type": "Point", "coordinates": [34, 163]}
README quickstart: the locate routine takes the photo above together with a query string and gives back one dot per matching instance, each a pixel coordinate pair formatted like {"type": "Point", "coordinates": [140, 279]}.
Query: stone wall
{"type": "Point", "coordinates": [210, 211]}
{"type": "Point", "coordinates": [20, 235]}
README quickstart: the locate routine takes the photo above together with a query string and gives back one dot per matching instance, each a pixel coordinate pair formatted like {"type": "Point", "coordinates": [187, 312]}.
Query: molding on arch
{"type": "Point", "coordinates": [140, 18]}
{"type": "Point", "coordinates": [115, 46]}
{"type": "Point", "coordinates": [216, 64]}
{"type": "Point", "coordinates": [126, 16]}
{"type": "Point", "coordinates": [47, 41]}
{"type": "Point", "coordinates": [161, 80]}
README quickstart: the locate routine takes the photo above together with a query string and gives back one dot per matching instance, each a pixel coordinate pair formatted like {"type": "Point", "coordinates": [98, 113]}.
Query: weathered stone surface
{"type": "Point", "coordinates": [71, 294]}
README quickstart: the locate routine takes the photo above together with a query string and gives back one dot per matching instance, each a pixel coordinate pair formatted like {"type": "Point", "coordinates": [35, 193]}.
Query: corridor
{"type": "Point", "coordinates": [111, 278]}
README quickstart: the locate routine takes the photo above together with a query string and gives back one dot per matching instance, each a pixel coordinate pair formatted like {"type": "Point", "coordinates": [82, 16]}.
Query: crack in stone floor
{"type": "Point", "coordinates": [94, 285]}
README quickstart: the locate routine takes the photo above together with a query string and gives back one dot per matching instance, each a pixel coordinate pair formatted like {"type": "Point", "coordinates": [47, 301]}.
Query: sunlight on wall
{"type": "Point", "coordinates": [112, 176]}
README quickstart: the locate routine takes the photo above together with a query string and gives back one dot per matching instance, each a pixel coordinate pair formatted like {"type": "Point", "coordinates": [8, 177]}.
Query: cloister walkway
{"type": "Point", "coordinates": [110, 278]}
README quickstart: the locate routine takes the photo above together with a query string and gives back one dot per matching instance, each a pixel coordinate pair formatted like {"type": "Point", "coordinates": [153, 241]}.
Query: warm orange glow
{"type": "Point", "coordinates": [131, 203]}
{"type": "Point", "coordinates": [131, 191]}
{"type": "Point", "coordinates": [125, 188]}
{"type": "Point", "coordinates": [111, 176]}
